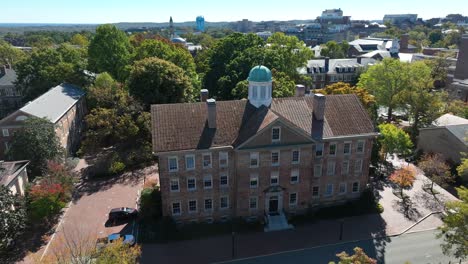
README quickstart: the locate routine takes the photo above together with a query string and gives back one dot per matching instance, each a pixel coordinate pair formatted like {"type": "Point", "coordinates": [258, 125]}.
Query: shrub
{"type": "Point", "coordinates": [116, 167]}
{"type": "Point", "coordinates": [46, 200]}
{"type": "Point", "coordinates": [150, 204]}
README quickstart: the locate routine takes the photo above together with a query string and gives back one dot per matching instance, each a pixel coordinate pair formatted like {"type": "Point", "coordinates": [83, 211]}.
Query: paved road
{"type": "Point", "coordinates": [417, 248]}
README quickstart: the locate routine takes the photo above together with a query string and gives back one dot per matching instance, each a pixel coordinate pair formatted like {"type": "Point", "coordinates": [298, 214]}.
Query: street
{"type": "Point", "coordinates": [420, 247]}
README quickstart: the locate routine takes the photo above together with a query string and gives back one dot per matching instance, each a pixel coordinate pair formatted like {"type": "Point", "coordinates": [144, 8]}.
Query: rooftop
{"type": "Point", "coordinates": [8, 170]}
{"type": "Point", "coordinates": [450, 120]}
{"type": "Point", "coordinates": [9, 78]}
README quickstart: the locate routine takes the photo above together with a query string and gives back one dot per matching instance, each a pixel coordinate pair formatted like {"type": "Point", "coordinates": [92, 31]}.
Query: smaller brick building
{"type": "Point", "coordinates": [63, 105]}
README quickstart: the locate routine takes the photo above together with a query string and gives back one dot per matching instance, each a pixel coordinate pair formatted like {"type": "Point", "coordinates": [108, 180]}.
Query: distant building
{"type": "Point", "coordinates": [200, 23]}
{"type": "Point", "coordinates": [459, 79]}
{"type": "Point", "coordinates": [264, 34]}
{"type": "Point", "coordinates": [171, 28]}
{"type": "Point", "coordinates": [64, 106]}
{"type": "Point", "coordinates": [10, 96]}
{"type": "Point", "coordinates": [14, 176]}
{"type": "Point", "coordinates": [363, 46]}
{"type": "Point", "coordinates": [244, 26]}
{"type": "Point", "coordinates": [331, 14]}
{"type": "Point", "coordinates": [399, 19]}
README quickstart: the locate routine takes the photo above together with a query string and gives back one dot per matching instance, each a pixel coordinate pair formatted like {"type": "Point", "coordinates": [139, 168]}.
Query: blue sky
{"type": "Point", "coordinates": [108, 11]}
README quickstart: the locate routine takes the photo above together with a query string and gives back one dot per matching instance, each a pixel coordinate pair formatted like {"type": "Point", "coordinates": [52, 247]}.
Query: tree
{"type": "Point", "coordinates": [454, 231]}
{"type": "Point", "coordinates": [335, 50]}
{"type": "Point", "coordinates": [37, 142]}
{"type": "Point", "coordinates": [404, 178]}
{"type": "Point", "coordinates": [118, 252]}
{"type": "Point", "coordinates": [107, 93]}
{"type": "Point", "coordinates": [359, 257]}
{"type": "Point", "coordinates": [385, 81]}
{"type": "Point", "coordinates": [345, 88]}
{"type": "Point", "coordinates": [46, 200]}
{"type": "Point", "coordinates": [109, 51]}
{"type": "Point", "coordinates": [156, 81]}
{"type": "Point", "coordinates": [48, 67]}
{"type": "Point", "coordinates": [462, 169]}
{"type": "Point", "coordinates": [9, 54]}
{"type": "Point", "coordinates": [80, 40]}
{"type": "Point", "coordinates": [435, 167]}
{"type": "Point", "coordinates": [457, 107]}
{"type": "Point", "coordinates": [394, 140]}
{"type": "Point", "coordinates": [13, 215]}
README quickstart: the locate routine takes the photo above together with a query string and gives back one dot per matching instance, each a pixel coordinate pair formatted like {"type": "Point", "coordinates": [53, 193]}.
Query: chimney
{"type": "Point", "coordinates": [300, 90]}
{"type": "Point", "coordinates": [319, 106]}
{"type": "Point", "coordinates": [359, 60]}
{"type": "Point", "coordinates": [404, 39]}
{"type": "Point", "coordinates": [211, 110]}
{"type": "Point", "coordinates": [461, 71]}
{"type": "Point", "coordinates": [203, 95]}
{"type": "Point", "coordinates": [327, 64]}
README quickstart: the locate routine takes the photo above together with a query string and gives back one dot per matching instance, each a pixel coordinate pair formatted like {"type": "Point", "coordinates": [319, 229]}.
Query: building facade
{"type": "Point", "coordinates": [262, 156]}
{"type": "Point", "coordinates": [14, 176]}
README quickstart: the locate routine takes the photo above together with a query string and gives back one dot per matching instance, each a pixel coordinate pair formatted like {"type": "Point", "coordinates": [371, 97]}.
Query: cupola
{"type": "Point", "coordinates": [260, 86]}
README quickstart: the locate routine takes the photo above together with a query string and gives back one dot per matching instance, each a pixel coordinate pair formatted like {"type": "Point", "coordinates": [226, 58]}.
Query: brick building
{"type": "Point", "coordinates": [63, 105]}
{"type": "Point", "coordinates": [262, 156]}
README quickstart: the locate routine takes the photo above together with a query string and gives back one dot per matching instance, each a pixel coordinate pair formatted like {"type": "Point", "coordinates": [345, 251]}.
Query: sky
{"type": "Point", "coordinates": [112, 11]}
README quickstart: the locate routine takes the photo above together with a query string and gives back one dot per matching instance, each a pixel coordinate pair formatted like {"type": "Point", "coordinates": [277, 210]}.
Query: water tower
{"type": "Point", "coordinates": [200, 23]}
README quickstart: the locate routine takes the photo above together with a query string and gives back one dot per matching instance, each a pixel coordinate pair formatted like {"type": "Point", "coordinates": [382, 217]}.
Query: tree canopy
{"type": "Point", "coordinates": [394, 140]}
{"type": "Point", "coordinates": [13, 215]}
{"type": "Point", "coordinates": [436, 168]}
{"type": "Point", "coordinates": [335, 50]}
{"type": "Point", "coordinates": [9, 54]}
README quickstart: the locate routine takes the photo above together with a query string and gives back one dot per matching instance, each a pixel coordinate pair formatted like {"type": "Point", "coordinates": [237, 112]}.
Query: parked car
{"type": "Point", "coordinates": [127, 239]}
{"type": "Point", "coordinates": [122, 213]}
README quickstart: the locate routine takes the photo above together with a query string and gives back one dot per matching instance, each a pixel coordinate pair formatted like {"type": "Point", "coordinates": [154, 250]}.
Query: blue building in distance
{"type": "Point", "coordinates": [200, 23]}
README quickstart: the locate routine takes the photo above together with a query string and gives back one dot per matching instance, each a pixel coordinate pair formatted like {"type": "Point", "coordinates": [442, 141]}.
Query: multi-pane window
{"type": "Point", "coordinates": [331, 168]}
{"type": "Point", "coordinates": [275, 158]}
{"type": "Point", "coordinates": [253, 203]}
{"type": "Point", "coordinates": [5, 132]}
{"type": "Point", "coordinates": [345, 167]}
{"type": "Point", "coordinates": [355, 187]}
{"type": "Point", "coordinates": [208, 204]}
{"type": "Point", "coordinates": [207, 182]}
{"type": "Point", "coordinates": [192, 206]}
{"type": "Point", "coordinates": [294, 176]}
{"type": "Point", "coordinates": [173, 164]}
{"type": "Point", "coordinates": [223, 180]}
{"type": "Point", "coordinates": [293, 198]}
{"type": "Point", "coordinates": [315, 191]}
{"type": "Point", "coordinates": [342, 188]}
{"type": "Point", "coordinates": [276, 134]}
{"type": "Point", "coordinates": [191, 184]}
{"type": "Point", "coordinates": [190, 162]}
{"type": "Point", "coordinates": [223, 159]}
{"type": "Point", "coordinates": [274, 178]}
{"type": "Point", "coordinates": [317, 170]}
{"type": "Point", "coordinates": [329, 190]}
{"type": "Point", "coordinates": [253, 181]}
{"type": "Point", "coordinates": [347, 148]}
{"type": "Point", "coordinates": [175, 185]}
{"type": "Point", "coordinates": [254, 159]}
{"type": "Point", "coordinates": [358, 166]}
{"type": "Point", "coordinates": [295, 156]}
{"type": "Point", "coordinates": [319, 150]}
{"type": "Point", "coordinates": [176, 208]}
{"type": "Point", "coordinates": [206, 160]}
{"type": "Point", "coordinates": [360, 146]}
{"type": "Point", "coordinates": [224, 202]}
{"type": "Point", "coordinates": [332, 149]}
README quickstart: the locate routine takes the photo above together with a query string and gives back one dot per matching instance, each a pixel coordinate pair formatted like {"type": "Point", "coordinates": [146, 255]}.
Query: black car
{"type": "Point", "coordinates": [122, 213]}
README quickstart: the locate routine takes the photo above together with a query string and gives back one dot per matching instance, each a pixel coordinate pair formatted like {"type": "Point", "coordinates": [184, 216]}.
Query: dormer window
{"type": "Point", "coordinates": [276, 134]}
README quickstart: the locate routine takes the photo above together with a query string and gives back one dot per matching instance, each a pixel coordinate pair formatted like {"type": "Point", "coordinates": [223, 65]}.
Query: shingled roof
{"type": "Point", "coordinates": [184, 126]}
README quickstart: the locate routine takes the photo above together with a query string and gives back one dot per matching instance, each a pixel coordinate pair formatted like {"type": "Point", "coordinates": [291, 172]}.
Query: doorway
{"type": "Point", "coordinates": [273, 204]}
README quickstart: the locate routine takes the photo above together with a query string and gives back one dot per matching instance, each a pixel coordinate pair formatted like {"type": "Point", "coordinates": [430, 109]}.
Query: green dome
{"type": "Point", "coordinates": [260, 74]}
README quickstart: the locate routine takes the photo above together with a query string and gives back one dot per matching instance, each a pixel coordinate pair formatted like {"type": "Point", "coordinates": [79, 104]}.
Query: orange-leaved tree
{"type": "Point", "coordinates": [404, 178]}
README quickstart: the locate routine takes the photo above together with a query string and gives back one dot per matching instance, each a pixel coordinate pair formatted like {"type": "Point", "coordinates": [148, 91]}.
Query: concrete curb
{"type": "Point", "coordinates": [419, 221]}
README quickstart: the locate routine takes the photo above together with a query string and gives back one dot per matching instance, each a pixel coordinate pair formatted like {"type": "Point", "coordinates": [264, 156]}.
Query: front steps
{"type": "Point", "coordinates": [277, 222]}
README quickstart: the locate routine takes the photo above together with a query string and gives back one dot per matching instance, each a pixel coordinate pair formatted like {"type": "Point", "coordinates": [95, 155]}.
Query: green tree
{"type": "Point", "coordinates": [13, 215]}
{"type": "Point", "coordinates": [107, 93]}
{"type": "Point", "coordinates": [118, 252]}
{"type": "Point", "coordinates": [80, 40]}
{"type": "Point", "coordinates": [436, 168]}
{"type": "Point", "coordinates": [454, 231]}
{"type": "Point", "coordinates": [394, 140]}
{"type": "Point", "coordinates": [359, 257]}
{"type": "Point", "coordinates": [9, 54]}
{"type": "Point", "coordinates": [48, 67]}
{"type": "Point", "coordinates": [462, 169]}
{"type": "Point", "coordinates": [385, 81]}
{"type": "Point", "coordinates": [109, 51]}
{"type": "Point", "coordinates": [335, 50]}
{"type": "Point", "coordinates": [457, 107]}
{"type": "Point", "coordinates": [156, 81]}
{"type": "Point", "coordinates": [36, 142]}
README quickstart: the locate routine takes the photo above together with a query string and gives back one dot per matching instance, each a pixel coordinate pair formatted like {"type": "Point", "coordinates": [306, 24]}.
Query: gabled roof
{"type": "Point", "coordinates": [178, 127]}
{"type": "Point", "coordinates": [54, 103]}
{"type": "Point", "coordinates": [450, 120]}
{"type": "Point", "coordinates": [9, 170]}
{"type": "Point", "coordinates": [333, 63]}
{"type": "Point", "coordinates": [8, 79]}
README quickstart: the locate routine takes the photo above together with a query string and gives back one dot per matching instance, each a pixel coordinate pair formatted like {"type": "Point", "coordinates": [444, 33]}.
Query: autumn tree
{"type": "Point", "coordinates": [359, 257]}
{"type": "Point", "coordinates": [403, 178]}
{"type": "Point", "coordinates": [110, 51]}
{"type": "Point", "coordinates": [118, 252]}
{"type": "Point", "coordinates": [345, 88]}
{"type": "Point", "coordinates": [394, 140]}
{"type": "Point", "coordinates": [435, 168]}
{"type": "Point", "coordinates": [80, 40]}
{"type": "Point", "coordinates": [454, 230]}
{"type": "Point", "coordinates": [13, 216]}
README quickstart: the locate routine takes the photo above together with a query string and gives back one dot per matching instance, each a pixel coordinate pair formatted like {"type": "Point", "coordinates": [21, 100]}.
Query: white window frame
{"type": "Point", "coordinates": [298, 156]}
{"type": "Point", "coordinates": [274, 175]}
{"type": "Point", "coordinates": [7, 146]}
{"type": "Point", "coordinates": [180, 208]}
{"type": "Point", "coordinates": [343, 170]}
{"type": "Point", "coordinates": [350, 147]}
{"type": "Point", "coordinates": [363, 146]}
{"type": "Point", "coordinates": [331, 168]}
{"type": "Point", "coordinates": [279, 157]}
{"type": "Point", "coordinates": [5, 132]}
{"type": "Point", "coordinates": [318, 191]}
{"type": "Point", "coordinates": [195, 183]}
{"type": "Point", "coordinates": [210, 177]}
{"type": "Point", "coordinates": [316, 148]}
{"type": "Point", "coordinates": [254, 156]}
{"type": "Point", "coordinates": [329, 149]}
{"type": "Point", "coordinates": [253, 177]}
{"type": "Point", "coordinates": [358, 187]}
{"type": "Point", "coordinates": [196, 206]}
{"type": "Point", "coordinates": [256, 202]}
{"type": "Point", "coordinates": [223, 155]}
{"type": "Point", "coordinates": [186, 163]}
{"type": "Point", "coordinates": [178, 184]}
{"type": "Point", "coordinates": [339, 188]}
{"type": "Point", "coordinates": [227, 180]}
{"type": "Point", "coordinates": [204, 204]}
{"type": "Point", "coordinates": [203, 160]}
{"type": "Point", "coordinates": [326, 190]}
{"type": "Point", "coordinates": [227, 202]}
{"type": "Point", "coordinates": [295, 202]}
{"type": "Point", "coordinates": [169, 163]}
{"type": "Point", "coordinates": [279, 134]}
{"type": "Point", "coordinates": [358, 169]}
{"type": "Point", "coordinates": [294, 173]}
{"type": "Point", "coordinates": [318, 172]}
